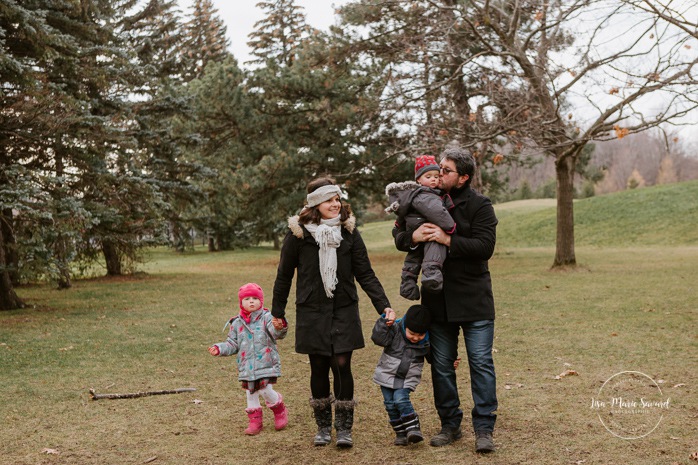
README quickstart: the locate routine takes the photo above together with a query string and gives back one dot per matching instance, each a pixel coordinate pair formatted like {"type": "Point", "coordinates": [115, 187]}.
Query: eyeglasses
{"type": "Point", "coordinates": [447, 171]}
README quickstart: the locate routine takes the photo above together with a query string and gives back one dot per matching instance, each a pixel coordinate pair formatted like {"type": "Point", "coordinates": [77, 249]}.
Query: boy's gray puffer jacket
{"type": "Point", "coordinates": [255, 345]}
{"type": "Point", "coordinates": [401, 363]}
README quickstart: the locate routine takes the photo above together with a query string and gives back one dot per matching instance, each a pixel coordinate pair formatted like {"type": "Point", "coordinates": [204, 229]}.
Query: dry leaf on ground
{"type": "Point", "coordinates": [566, 373]}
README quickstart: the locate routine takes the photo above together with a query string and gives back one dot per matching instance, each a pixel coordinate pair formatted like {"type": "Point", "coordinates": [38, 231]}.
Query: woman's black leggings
{"type": "Point", "coordinates": [340, 364]}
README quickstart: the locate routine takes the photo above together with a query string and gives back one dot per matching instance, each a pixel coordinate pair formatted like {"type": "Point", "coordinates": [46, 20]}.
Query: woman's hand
{"type": "Point", "coordinates": [278, 323]}
{"type": "Point", "coordinates": [389, 316]}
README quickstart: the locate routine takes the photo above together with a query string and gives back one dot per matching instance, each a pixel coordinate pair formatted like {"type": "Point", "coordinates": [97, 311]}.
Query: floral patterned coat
{"type": "Point", "coordinates": [255, 346]}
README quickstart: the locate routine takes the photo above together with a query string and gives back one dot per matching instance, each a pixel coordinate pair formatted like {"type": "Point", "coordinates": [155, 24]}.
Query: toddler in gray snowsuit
{"type": "Point", "coordinates": [416, 203]}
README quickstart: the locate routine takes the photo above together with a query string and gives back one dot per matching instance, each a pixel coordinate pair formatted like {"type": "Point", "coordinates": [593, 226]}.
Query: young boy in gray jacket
{"type": "Point", "coordinates": [405, 344]}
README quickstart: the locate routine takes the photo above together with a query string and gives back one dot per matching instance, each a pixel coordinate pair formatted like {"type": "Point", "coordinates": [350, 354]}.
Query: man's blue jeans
{"type": "Point", "coordinates": [397, 402]}
{"type": "Point", "coordinates": [478, 336]}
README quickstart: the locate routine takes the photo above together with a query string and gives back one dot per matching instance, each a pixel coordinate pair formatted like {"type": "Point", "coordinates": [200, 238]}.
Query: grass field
{"type": "Point", "coordinates": [657, 216]}
{"type": "Point", "coordinates": [630, 307]}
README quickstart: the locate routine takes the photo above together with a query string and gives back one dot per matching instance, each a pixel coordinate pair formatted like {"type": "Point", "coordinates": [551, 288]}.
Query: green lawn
{"type": "Point", "coordinates": [654, 216]}
{"type": "Point", "coordinates": [630, 307]}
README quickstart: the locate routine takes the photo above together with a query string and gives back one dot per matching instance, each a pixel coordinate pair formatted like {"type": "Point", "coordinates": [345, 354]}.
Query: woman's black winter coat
{"type": "Point", "coordinates": [326, 325]}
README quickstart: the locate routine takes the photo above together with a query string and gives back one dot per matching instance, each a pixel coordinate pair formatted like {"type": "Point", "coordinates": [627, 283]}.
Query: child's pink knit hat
{"type": "Point", "coordinates": [250, 290]}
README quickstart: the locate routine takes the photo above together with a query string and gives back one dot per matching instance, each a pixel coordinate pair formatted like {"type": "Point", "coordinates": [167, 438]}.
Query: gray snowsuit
{"type": "Point", "coordinates": [415, 205]}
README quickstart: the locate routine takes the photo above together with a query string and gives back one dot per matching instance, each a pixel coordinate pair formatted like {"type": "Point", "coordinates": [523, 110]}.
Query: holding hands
{"type": "Point", "coordinates": [278, 323]}
{"type": "Point", "coordinates": [389, 316]}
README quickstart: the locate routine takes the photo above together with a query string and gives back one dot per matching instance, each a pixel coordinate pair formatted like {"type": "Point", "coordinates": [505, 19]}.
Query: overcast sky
{"type": "Point", "coordinates": [240, 15]}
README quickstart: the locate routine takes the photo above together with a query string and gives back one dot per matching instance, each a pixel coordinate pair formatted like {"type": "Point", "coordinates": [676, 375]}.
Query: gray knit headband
{"type": "Point", "coordinates": [322, 194]}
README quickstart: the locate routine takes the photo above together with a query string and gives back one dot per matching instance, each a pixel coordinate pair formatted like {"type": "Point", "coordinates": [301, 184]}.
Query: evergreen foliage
{"type": "Point", "coordinates": [279, 35]}
{"type": "Point", "coordinates": [86, 88]}
{"type": "Point", "coordinates": [308, 109]}
{"type": "Point", "coordinates": [128, 123]}
{"type": "Point", "coordinates": [204, 39]}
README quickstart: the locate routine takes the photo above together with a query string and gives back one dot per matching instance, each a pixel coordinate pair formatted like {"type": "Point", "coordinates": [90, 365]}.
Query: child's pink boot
{"type": "Point", "coordinates": [255, 416]}
{"type": "Point", "coordinates": [280, 413]}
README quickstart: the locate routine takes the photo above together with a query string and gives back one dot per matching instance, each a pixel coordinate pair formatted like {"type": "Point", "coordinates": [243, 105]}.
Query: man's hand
{"type": "Point", "coordinates": [431, 232]}
{"type": "Point", "coordinates": [419, 234]}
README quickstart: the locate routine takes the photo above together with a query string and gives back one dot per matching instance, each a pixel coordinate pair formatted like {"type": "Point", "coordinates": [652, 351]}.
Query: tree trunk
{"type": "Point", "coordinates": [112, 258]}
{"type": "Point", "coordinates": [176, 237]}
{"type": "Point", "coordinates": [222, 242]}
{"type": "Point", "coordinates": [564, 244]}
{"type": "Point", "coordinates": [64, 281]}
{"type": "Point", "coordinates": [10, 245]}
{"type": "Point", "coordinates": [8, 297]}
{"type": "Point", "coordinates": [211, 243]}
{"type": "Point", "coordinates": [61, 249]}
{"type": "Point", "coordinates": [277, 242]}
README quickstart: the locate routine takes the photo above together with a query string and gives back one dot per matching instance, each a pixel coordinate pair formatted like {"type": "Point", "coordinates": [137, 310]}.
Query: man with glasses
{"type": "Point", "coordinates": [465, 303]}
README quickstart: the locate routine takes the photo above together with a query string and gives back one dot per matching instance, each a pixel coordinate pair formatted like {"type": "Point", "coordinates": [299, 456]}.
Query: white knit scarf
{"type": "Point", "coordinates": [328, 235]}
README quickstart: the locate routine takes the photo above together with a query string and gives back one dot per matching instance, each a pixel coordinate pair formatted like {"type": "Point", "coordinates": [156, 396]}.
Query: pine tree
{"type": "Point", "coordinates": [92, 160]}
{"type": "Point", "coordinates": [230, 133]}
{"type": "Point", "coordinates": [205, 39]}
{"type": "Point", "coordinates": [67, 153]}
{"type": "Point", "coordinates": [279, 35]}
{"type": "Point", "coordinates": [161, 111]}
{"type": "Point", "coordinates": [420, 50]}
{"type": "Point", "coordinates": [30, 116]}
{"type": "Point", "coordinates": [156, 35]}
{"type": "Point", "coordinates": [314, 103]}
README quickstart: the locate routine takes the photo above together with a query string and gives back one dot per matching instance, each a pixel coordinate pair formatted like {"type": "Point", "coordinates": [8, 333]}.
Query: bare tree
{"type": "Point", "coordinates": [510, 77]}
{"type": "Point", "coordinates": [584, 70]}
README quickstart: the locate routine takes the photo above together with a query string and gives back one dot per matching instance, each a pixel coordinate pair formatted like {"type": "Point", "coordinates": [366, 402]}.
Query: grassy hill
{"type": "Point", "coordinates": [659, 215]}
{"type": "Point", "coordinates": [651, 216]}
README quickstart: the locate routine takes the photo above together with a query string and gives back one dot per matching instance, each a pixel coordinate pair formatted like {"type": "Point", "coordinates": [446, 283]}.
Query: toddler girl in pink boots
{"type": "Point", "coordinates": [252, 337]}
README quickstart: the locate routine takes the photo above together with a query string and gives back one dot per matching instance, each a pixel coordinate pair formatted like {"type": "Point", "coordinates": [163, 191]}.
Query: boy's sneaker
{"type": "Point", "coordinates": [445, 437]}
{"type": "Point", "coordinates": [483, 442]}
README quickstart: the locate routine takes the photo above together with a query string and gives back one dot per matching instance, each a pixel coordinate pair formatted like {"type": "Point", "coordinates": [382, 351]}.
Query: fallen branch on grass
{"type": "Point", "coordinates": [95, 396]}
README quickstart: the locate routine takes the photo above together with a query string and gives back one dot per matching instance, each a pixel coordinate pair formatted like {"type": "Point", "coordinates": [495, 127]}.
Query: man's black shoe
{"type": "Point", "coordinates": [484, 442]}
{"type": "Point", "coordinates": [445, 437]}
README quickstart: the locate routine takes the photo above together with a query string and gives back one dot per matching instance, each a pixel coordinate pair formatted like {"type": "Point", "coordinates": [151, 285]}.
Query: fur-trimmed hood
{"type": "Point", "coordinates": [396, 191]}
{"type": "Point", "coordinates": [297, 229]}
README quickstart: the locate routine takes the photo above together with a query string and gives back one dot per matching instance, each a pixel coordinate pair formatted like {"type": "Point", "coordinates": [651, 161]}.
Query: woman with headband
{"type": "Point", "coordinates": [326, 249]}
